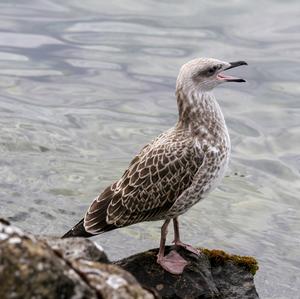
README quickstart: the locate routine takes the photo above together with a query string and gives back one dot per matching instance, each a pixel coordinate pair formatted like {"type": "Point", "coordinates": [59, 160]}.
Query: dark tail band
{"type": "Point", "coordinates": [77, 231]}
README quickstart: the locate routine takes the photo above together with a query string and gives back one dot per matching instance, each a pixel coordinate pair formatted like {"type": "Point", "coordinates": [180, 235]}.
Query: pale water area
{"type": "Point", "coordinates": [85, 84]}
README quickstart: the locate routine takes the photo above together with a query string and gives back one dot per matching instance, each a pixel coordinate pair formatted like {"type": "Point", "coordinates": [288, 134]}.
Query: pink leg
{"type": "Point", "coordinates": [177, 240]}
{"type": "Point", "coordinates": [172, 262]}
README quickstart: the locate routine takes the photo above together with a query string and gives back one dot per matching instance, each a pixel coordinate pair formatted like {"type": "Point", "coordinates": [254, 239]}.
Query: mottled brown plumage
{"type": "Point", "coordinates": [175, 170]}
{"type": "Point", "coordinates": [156, 177]}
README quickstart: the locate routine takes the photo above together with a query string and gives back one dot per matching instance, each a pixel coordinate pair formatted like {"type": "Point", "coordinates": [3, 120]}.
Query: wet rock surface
{"type": "Point", "coordinates": [47, 267]}
{"type": "Point", "coordinates": [33, 267]}
{"type": "Point", "coordinates": [77, 248]}
{"type": "Point", "coordinates": [212, 274]}
{"type": "Point", "coordinates": [110, 280]}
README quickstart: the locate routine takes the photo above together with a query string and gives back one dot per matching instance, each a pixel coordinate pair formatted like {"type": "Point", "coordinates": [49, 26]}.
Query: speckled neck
{"type": "Point", "coordinates": [200, 113]}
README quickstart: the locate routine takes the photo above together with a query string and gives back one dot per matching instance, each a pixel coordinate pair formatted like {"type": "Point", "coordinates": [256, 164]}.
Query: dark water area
{"type": "Point", "coordinates": [85, 84]}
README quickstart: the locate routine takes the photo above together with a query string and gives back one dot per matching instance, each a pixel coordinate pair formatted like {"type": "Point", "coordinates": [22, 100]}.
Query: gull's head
{"type": "Point", "coordinates": [204, 74]}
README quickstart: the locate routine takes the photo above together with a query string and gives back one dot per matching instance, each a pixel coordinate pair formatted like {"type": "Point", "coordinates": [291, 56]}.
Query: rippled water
{"type": "Point", "coordinates": [85, 84]}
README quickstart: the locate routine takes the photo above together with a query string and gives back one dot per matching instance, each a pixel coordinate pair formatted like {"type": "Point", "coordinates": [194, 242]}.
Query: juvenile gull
{"type": "Point", "coordinates": [174, 171]}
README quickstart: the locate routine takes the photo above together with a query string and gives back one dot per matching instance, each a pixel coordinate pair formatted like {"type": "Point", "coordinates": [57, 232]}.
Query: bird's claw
{"type": "Point", "coordinates": [187, 247]}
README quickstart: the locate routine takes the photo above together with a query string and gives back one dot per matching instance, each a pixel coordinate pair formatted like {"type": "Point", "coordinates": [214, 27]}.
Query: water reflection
{"type": "Point", "coordinates": [84, 85]}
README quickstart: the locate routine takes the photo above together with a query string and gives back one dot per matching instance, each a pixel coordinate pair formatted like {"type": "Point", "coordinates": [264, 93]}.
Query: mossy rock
{"type": "Point", "coordinates": [213, 274]}
{"type": "Point", "coordinates": [219, 257]}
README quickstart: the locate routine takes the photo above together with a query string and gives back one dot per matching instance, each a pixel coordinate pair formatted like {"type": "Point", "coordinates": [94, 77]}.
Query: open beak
{"type": "Point", "coordinates": [231, 78]}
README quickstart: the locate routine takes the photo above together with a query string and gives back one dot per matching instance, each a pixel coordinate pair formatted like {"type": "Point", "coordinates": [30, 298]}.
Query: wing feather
{"type": "Point", "coordinates": [151, 184]}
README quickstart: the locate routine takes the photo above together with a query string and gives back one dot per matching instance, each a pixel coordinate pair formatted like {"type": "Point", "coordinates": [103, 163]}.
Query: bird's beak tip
{"type": "Point", "coordinates": [233, 65]}
{"type": "Point", "coordinates": [236, 63]}
{"type": "Point", "coordinates": [236, 80]}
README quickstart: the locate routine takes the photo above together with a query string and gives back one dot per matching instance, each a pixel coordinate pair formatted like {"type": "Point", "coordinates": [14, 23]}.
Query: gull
{"type": "Point", "coordinates": [175, 170]}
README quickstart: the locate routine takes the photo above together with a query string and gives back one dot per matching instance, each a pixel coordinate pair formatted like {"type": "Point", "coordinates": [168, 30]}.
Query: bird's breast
{"type": "Point", "coordinates": [216, 150]}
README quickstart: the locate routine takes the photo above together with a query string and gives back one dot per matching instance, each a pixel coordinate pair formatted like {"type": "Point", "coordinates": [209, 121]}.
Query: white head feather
{"type": "Point", "coordinates": [201, 75]}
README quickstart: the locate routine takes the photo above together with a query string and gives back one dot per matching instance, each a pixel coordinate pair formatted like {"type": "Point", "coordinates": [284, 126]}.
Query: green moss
{"type": "Point", "coordinates": [219, 257]}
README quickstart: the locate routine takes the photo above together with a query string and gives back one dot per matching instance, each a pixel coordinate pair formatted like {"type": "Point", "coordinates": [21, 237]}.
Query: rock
{"type": "Point", "coordinates": [110, 280]}
{"type": "Point", "coordinates": [212, 274]}
{"type": "Point", "coordinates": [51, 268]}
{"type": "Point", "coordinates": [48, 267]}
{"type": "Point", "coordinates": [31, 269]}
{"type": "Point", "coordinates": [77, 248]}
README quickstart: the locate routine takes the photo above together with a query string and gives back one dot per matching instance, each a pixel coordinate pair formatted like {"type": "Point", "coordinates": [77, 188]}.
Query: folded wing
{"type": "Point", "coordinates": [149, 187]}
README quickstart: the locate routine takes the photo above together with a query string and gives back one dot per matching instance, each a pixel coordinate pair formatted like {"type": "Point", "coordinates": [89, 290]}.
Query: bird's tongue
{"type": "Point", "coordinates": [222, 77]}
{"type": "Point", "coordinates": [226, 77]}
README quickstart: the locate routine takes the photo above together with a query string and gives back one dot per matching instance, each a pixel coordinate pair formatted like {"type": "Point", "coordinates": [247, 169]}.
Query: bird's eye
{"type": "Point", "coordinates": [208, 71]}
{"type": "Point", "coordinates": [211, 70]}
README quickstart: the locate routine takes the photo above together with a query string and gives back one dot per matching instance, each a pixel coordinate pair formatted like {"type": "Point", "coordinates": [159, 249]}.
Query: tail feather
{"type": "Point", "coordinates": [98, 221]}
{"type": "Point", "coordinates": [77, 231]}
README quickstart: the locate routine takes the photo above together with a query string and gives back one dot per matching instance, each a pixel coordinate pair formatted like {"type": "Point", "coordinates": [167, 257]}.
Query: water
{"type": "Point", "coordinates": [85, 84]}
